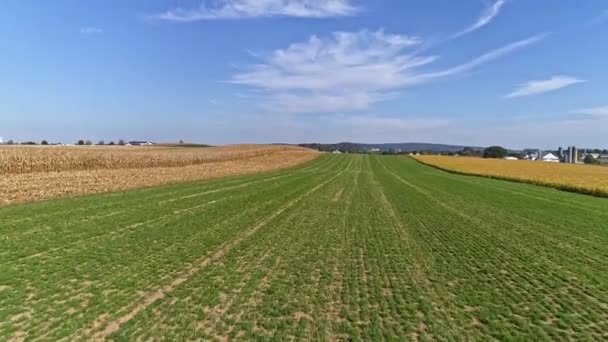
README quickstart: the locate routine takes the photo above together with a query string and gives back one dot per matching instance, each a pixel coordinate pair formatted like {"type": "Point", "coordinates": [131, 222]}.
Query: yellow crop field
{"type": "Point", "coordinates": [27, 159]}
{"type": "Point", "coordinates": [41, 172]}
{"type": "Point", "coordinates": [587, 179]}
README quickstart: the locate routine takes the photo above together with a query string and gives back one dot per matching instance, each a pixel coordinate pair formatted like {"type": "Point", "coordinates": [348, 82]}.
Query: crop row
{"type": "Point", "coordinates": [345, 248]}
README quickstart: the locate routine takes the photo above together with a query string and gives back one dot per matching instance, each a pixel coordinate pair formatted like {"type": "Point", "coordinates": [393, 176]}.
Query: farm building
{"type": "Point", "coordinates": [594, 155]}
{"type": "Point", "coordinates": [140, 143]}
{"type": "Point", "coordinates": [551, 158]}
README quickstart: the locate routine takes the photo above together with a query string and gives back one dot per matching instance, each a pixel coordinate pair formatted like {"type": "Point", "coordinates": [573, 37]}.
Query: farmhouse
{"type": "Point", "coordinates": [594, 155]}
{"type": "Point", "coordinates": [531, 156]}
{"type": "Point", "coordinates": [140, 143]}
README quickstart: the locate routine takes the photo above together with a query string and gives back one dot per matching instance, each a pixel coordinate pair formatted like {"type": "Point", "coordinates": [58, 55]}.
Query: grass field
{"type": "Point", "coordinates": [346, 247]}
{"type": "Point", "coordinates": [41, 172]}
{"type": "Point", "coordinates": [587, 179]}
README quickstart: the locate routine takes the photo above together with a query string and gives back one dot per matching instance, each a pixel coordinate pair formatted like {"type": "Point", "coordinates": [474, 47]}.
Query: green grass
{"type": "Point", "coordinates": [346, 247]}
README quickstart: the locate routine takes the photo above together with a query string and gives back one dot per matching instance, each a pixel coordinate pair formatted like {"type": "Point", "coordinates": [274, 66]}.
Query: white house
{"type": "Point", "coordinates": [510, 158]}
{"type": "Point", "coordinates": [336, 152]}
{"type": "Point", "coordinates": [594, 155]}
{"type": "Point", "coordinates": [551, 158]}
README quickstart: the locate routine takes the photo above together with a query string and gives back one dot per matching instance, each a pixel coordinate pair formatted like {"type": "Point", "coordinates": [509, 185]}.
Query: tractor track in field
{"type": "Point", "coordinates": [122, 229]}
{"type": "Point", "coordinates": [429, 195]}
{"type": "Point", "coordinates": [114, 232]}
{"type": "Point", "coordinates": [200, 264]}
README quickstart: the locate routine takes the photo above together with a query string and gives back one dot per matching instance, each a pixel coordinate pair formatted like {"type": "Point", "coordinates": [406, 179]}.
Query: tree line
{"type": "Point", "coordinates": [81, 142]}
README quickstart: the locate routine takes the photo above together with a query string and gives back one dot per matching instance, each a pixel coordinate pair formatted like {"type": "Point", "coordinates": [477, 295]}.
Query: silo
{"type": "Point", "coordinates": [574, 155]}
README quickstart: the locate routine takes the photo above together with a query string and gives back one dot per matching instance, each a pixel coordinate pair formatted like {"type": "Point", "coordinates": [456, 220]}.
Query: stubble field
{"type": "Point", "coordinates": [342, 248]}
{"type": "Point", "coordinates": [42, 172]}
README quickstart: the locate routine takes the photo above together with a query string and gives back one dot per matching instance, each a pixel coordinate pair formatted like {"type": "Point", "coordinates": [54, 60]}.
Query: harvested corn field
{"type": "Point", "coordinates": [347, 247]}
{"type": "Point", "coordinates": [34, 173]}
{"type": "Point", "coordinates": [587, 179]}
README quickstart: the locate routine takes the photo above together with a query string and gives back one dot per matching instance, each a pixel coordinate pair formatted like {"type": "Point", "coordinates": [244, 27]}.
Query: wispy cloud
{"type": "Point", "coordinates": [91, 30]}
{"type": "Point", "coordinates": [348, 71]}
{"type": "Point", "coordinates": [544, 86]}
{"type": "Point", "coordinates": [244, 9]}
{"type": "Point", "coordinates": [595, 112]}
{"type": "Point", "coordinates": [486, 17]}
{"type": "Point", "coordinates": [485, 58]}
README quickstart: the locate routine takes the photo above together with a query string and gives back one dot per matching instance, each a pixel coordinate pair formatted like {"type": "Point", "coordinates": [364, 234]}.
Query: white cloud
{"type": "Point", "coordinates": [348, 71]}
{"type": "Point", "coordinates": [486, 17]}
{"type": "Point", "coordinates": [544, 86]}
{"type": "Point", "coordinates": [243, 9]}
{"type": "Point", "coordinates": [90, 30]}
{"type": "Point", "coordinates": [485, 58]}
{"type": "Point", "coordinates": [596, 112]}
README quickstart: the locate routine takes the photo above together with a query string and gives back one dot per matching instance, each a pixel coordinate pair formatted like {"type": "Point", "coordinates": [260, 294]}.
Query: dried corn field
{"type": "Point", "coordinates": [25, 159]}
{"type": "Point", "coordinates": [34, 173]}
{"type": "Point", "coordinates": [587, 179]}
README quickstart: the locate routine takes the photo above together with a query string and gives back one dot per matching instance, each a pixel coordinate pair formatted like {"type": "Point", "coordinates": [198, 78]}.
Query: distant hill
{"type": "Point", "coordinates": [389, 147]}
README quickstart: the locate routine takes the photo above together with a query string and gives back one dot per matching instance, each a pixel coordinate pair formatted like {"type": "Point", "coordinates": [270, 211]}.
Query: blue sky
{"type": "Point", "coordinates": [520, 73]}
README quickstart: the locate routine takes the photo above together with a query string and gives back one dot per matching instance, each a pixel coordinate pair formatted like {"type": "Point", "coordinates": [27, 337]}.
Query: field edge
{"type": "Point", "coordinates": [561, 187]}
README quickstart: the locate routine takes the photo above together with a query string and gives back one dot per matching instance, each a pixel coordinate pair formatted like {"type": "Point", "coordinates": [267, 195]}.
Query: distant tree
{"type": "Point", "coordinates": [44, 142]}
{"type": "Point", "coordinates": [88, 142]}
{"type": "Point", "coordinates": [467, 151]}
{"type": "Point", "coordinates": [604, 151]}
{"type": "Point", "coordinates": [590, 160]}
{"type": "Point", "coordinates": [121, 142]}
{"type": "Point", "coordinates": [101, 142]}
{"type": "Point", "coordinates": [496, 152]}
{"type": "Point", "coordinates": [111, 143]}
{"type": "Point", "coordinates": [10, 142]}
{"type": "Point", "coordinates": [28, 143]}
{"type": "Point", "coordinates": [181, 141]}
{"type": "Point", "coordinates": [80, 142]}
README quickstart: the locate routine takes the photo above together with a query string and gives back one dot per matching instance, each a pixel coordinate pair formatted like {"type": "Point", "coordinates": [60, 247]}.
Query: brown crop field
{"type": "Point", "coordinates": [41, 172]}
{"type": "Point", "coordinates": [587, 179]}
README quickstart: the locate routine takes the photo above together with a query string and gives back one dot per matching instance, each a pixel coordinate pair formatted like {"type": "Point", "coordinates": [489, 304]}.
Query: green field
{"type": "Point", "coordinates": [345, 247]}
